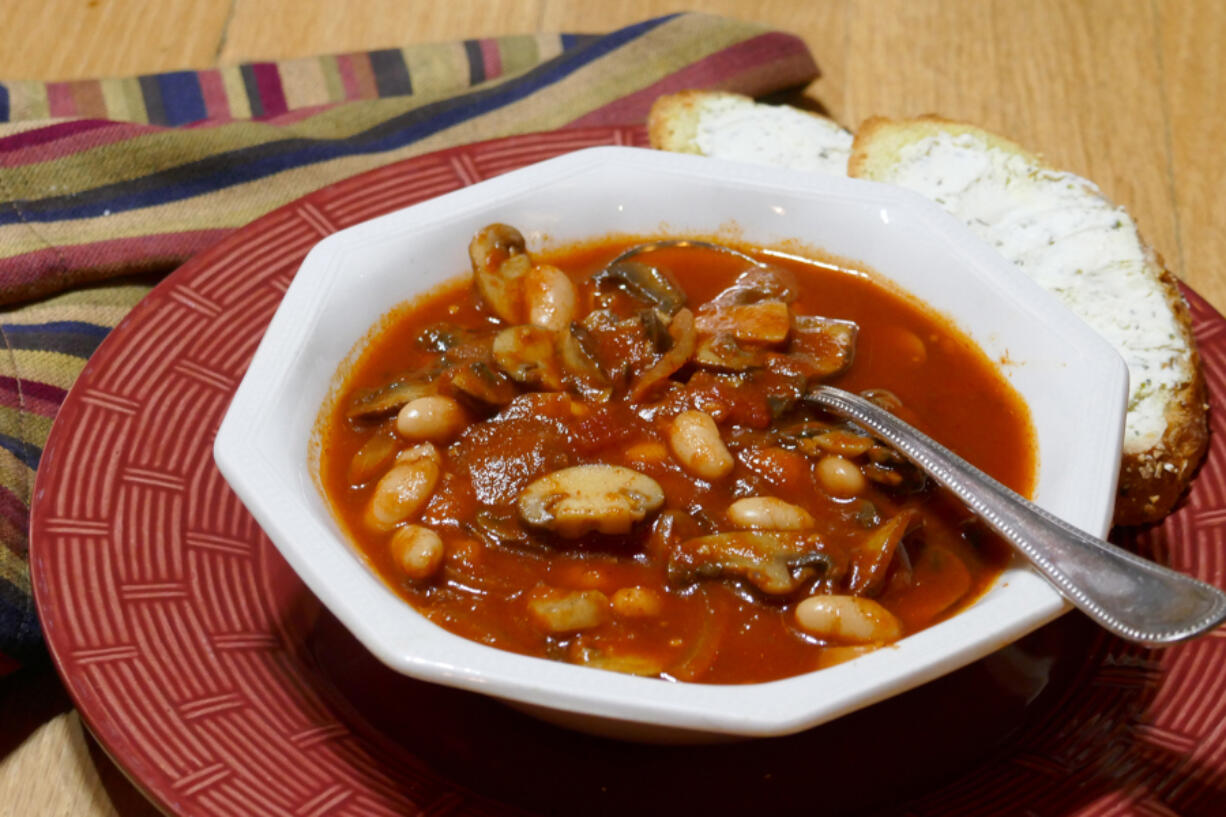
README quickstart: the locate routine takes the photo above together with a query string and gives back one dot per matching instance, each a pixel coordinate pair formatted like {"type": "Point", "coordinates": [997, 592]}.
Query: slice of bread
{"type": "Point", "coordinates": [1054, 226]}
{"type": "Point", "coordinates": [733, 126]}
{"type": "Point", "coordinates": [1060, 230]}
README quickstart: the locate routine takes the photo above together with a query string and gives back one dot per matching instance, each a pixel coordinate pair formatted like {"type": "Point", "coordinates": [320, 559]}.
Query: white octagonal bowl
{"type": "Point", "coordinates": [1072, 380]}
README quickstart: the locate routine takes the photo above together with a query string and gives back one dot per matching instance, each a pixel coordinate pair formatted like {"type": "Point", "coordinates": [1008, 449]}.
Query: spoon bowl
{"type": "Point", "coordinates": [668, 243]}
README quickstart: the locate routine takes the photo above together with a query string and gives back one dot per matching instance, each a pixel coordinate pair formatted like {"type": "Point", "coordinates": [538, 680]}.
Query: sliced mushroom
{"type": "Point", "coordinates": [767, 322]}
{"type": "Point", "coordinates": [884, 398]}
{"type": "Point", "coordinates": [872, 558]}
{"type": "Point", "coordinates": [759, 283]}
{"type": "Point", "coordinates": [499, 529]}
{"type": "Point", "coordinates": [840, 441]}
{"type": "Point", "coordinates": [655, 327]}
{"type": "Point", "coordinates": [818, 439]}
{"type": "Point", "coordinates": [791, 376]}
{"type": "Point", "coordinates": [781, 397]}
{"type": "Point", "coordinates": [527, 355]}
{"type": "Point", "coordinates": [579, 367]}
{"type": "Point", "coordinates": [584, 498]}
{"type": "Point", "coordinates": [617, 345]}
{"type": "Point", "coordinates": [828, 344]}
{"type": "Point", "coordinates": [499, 264]}
{"type": "Point", "coordinates": [723, 353]}
{"type": "Point", "coordinates": [681, 331]}
{"type": "Point", "coordinates": [775, 562]}
{"type": "Point", "coordinates": [478, 382]}
{"type": "Point", "coordinates": [649, 284]}
{"type": "Point", "coordinates": [443, 337]}
{"type": "Point", "coordinates": [494, 243]}
{"type": "Point", "coordinates": [888, 468]}
{"type": "Point", "coordinates": [668, 529]}
{"type": "Point", "coordinates": [384, 401]}
{"type": "Point", "coordinates": [955, 581]}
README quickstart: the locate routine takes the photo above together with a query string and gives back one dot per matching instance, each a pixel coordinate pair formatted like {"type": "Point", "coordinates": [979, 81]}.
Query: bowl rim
{"type": "Point", "coordinates": [749, 709]}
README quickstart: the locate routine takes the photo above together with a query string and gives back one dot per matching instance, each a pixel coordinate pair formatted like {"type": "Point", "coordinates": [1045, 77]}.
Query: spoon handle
{"type": "Point", "coordinates": [1131, 597]}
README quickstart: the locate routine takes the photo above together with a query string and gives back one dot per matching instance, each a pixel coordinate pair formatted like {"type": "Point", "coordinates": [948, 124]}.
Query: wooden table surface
{"type": "Point", "coordinates": [1126, 92]}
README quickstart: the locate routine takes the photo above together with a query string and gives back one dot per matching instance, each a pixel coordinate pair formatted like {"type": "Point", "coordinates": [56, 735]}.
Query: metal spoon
{"type": "Point", "coordinates": [666, 243]}
{"type": "Point", "coordinates": [1131, 597]}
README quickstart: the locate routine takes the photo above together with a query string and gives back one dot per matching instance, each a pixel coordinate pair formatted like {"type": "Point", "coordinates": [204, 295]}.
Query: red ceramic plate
{"type": "Point", "coordinates": [220, 685]}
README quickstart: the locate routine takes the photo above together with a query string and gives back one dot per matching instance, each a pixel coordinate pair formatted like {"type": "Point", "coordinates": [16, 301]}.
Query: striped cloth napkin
{"type": "Point", "coordinates": [107, 184]}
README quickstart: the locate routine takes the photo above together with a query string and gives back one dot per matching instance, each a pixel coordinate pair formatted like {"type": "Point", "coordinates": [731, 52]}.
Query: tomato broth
{"type": "Point", "coordinates": [729, 531]}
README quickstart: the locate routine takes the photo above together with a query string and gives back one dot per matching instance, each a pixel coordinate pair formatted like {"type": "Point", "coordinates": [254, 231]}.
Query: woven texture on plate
{"type": "Point", "coordinates": [144, 172]}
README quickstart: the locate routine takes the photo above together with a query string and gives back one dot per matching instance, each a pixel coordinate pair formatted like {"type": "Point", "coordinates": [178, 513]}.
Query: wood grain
{"type": "Point", "coordinates": [1192, 89]}
{"type": "Point", "coordinates": [73, 39]}
{"type": "Point", "coordinates": [266, 29]}
{"type": "Point", "coordinates": [1126, 92]}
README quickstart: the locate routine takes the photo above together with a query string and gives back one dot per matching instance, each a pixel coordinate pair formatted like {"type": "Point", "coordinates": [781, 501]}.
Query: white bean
{"type": "Point", "coordinates": [549, 297]}
{"type": "Point", "coordinates": [847, 619]}
{"type": "Point", "coordinates": [769, 513]}
{"type": "Point", "coordinates": [417, 550]}
{"type": "Point", "coordinates": [694, 438]}
{"type": "Point", "coordinates": [840, 476]}
{"type": "Point", "coordinates": [404, 490]}
{"type": "Point", "coordinates": [435, 417]}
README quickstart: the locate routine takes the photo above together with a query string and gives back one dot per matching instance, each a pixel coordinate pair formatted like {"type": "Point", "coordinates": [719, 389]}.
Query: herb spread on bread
{"type": "Point", "coordinates": [1060, 230]}
{"type": "Point", "coordinates": [733, 126]}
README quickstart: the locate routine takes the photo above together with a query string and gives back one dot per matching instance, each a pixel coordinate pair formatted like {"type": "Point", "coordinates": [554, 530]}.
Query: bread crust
{"type": "Point", "coordinates": [879, 139]}
{"type": "Point", "coordinates": [1152, 480]}
{"type": "Point", "coordinates": [672, 122]}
